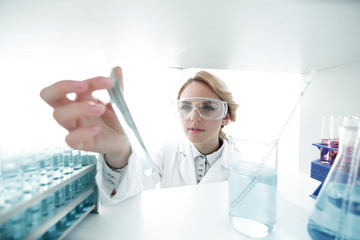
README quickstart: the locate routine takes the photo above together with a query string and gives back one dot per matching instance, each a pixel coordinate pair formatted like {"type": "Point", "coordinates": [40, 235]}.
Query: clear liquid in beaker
{"type": "Point", "coordinates": [255, 214]}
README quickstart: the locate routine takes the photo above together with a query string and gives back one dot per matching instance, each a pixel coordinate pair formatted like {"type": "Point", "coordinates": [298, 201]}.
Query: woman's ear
{"type": "Point", "coordinates": [226, 119]}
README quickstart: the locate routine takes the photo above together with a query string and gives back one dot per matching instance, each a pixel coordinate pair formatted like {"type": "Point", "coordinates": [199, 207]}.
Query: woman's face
{"type": "Point", "coordinates": [204, 134]}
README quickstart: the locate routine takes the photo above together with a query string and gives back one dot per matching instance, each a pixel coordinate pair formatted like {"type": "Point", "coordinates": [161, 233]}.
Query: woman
{"type": "Point", "coordinates": [205, 106]}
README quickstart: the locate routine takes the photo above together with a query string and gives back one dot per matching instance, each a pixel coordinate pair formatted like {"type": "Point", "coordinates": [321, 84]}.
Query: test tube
{"type": "Point", "coordinates": [128, 125]}
{"type": "Point", "coordinates": [58, 163]}
{"type": "Point", "coordinates": [336, 122]}
{"type": "Point", "coordinates": [50, 234]}
{"type": "Point", "coordinates": [325, 140]}
{"type": "Point", "coordinates": [48, 206]}
{"type": "Point", "coordinates": [84, 158]}
{"type": "Point", "coordinates": [92, 158]}
{"type": "Point", "coordinates": [60, 198]}
{"type": "Point", "coordinates": [31, 171]}
{"type": "Point", "coordinates": [12, 178]}
{"type": "Point", "coordinates": [76, 155]}
{"type": "Point", "coordinates": [349, 122]}
{"type": "Point", "coordinates": [85, 183]}
{"type": "Point", "coordinates": [61, 226]}
{"type": "Point", "coordinates": [71, 218]}
{"type": "Point", "coordinates": [33, 216]}
{"type": "Point", "coordinates": [68, 160]}
{"type": "Point", "coordinates": [46, 166]}
{"type": "Point", "coordinates": [69, 192]}
{"type": "Point", "coordinates": [78, 187]}
{"type": "Point", "coordinates": [15, 228]}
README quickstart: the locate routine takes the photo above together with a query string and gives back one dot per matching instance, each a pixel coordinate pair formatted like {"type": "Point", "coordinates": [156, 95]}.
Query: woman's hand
{"type": "Point", "coordinates": [92, 125]}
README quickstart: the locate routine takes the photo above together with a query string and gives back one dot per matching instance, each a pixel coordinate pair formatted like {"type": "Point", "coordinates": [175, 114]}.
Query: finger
{"type": "Point", "coordinates": [81, 138]}
{"type": "Point", "coordinates": [116, 73]}
{"type": "Point", "coordinates": [67, 115]}
{"type": "Point", "coordinates": [56, 93]}
{"type": "Point", "coordinates": [94, 84]}
{"type": "Point", "coordinates": [98, 83]}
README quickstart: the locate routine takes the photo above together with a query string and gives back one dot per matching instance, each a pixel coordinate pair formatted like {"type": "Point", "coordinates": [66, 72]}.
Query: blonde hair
{"type": "Point", "coordinates": [219, 87]}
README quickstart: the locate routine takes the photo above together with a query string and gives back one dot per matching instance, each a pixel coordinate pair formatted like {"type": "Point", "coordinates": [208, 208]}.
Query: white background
{"type": "Point", "coordinates": [272, 44]}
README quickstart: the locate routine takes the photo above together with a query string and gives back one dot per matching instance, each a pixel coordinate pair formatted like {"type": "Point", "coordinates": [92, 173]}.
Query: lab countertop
{"type": "Point", "coordinates": [195, 212]}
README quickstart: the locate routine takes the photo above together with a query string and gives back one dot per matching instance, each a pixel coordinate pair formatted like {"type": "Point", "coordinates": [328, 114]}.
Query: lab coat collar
{"type": "Point", "coordinates": [217, 172]}
{"type": "Point", "coordinates": [187, 165]}
{"type": "Point", "coordinates": [212, 157]}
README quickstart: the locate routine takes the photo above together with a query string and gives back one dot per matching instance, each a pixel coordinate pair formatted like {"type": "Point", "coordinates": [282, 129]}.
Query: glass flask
{"type": "Point", "coordinates": [336, 214]}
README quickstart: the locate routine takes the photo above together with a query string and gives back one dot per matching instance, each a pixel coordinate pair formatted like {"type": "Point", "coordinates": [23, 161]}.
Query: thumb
{"type": "Point", "coordinates": [116, 74]}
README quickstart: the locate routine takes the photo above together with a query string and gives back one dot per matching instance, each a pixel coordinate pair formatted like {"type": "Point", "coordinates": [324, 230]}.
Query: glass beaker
{"type": "Point", "coordinates": [336, 214]}
{"type": "Point", "coordinates": [253, 187]}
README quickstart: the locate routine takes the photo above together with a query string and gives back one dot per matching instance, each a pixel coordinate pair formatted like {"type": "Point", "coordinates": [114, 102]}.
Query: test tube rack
{"type": "Point", "coordinates": [90, 195]}
{"type": "Point", "coordinates": [319, 170]}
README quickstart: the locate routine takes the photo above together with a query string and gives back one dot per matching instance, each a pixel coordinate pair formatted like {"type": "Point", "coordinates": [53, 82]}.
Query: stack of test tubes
{"type": "Point", "coordinates": [42, 194]}
{"type": "Point", "coordinates": [330, 135]}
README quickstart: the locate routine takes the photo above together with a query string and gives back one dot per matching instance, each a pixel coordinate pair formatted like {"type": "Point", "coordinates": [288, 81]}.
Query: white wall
{"type": "Point", "coordinates": [334, 91]}
{"type": "Point", "coordinates": [45, 41]}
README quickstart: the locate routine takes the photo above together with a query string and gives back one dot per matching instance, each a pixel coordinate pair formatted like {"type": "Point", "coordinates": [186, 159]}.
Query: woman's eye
{"type": "Point", "coordinates": [184, 107]}
{"type": "Point", "coordinates": [208, 107]}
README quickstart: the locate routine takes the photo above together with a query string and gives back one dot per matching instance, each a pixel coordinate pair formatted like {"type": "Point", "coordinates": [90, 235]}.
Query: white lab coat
{"type": "Point", "coordinates": [174, 167]}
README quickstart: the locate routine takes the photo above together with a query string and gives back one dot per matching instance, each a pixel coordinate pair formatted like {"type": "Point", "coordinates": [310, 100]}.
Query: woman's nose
{"type": "Point", "coordinates": [195, 115]}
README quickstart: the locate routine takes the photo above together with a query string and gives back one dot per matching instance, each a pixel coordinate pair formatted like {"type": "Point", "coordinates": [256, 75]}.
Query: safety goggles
{"type": "Point", "coordinates": [207, 108]}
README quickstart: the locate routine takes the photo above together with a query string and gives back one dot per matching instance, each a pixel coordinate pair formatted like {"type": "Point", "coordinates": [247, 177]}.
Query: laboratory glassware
{"type": "Point", "coordinates": [257, 174]}
{"type": "Point", "coordinates": [336, 214]}
{"type": "Point", "coordinates": [336, 123]}
{"type": "Point", "coordinates": [253, 215]}
{"type": "Point", "coordinates": [127, 123]}
{"type": "Point", "coordinates": [325, 140]}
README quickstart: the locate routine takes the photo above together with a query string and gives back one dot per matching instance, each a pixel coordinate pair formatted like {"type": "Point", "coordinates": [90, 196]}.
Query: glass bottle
{"type": "Point", "coordinates": [336, 214]}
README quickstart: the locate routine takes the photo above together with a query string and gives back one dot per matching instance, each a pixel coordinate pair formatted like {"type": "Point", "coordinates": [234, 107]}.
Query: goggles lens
{"type": "Point", "coordinates": [207, 108]}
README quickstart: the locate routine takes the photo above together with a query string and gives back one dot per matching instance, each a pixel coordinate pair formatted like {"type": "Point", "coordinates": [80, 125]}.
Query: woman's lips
{"type": "Point", "coordinates": [196, 130]}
